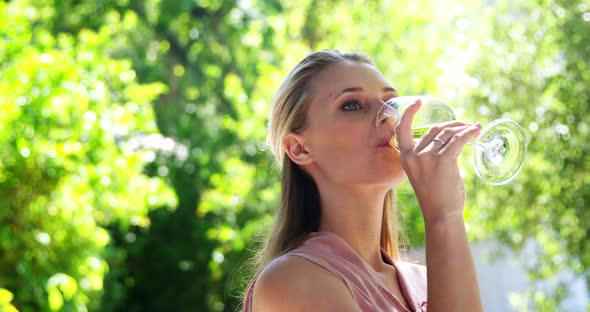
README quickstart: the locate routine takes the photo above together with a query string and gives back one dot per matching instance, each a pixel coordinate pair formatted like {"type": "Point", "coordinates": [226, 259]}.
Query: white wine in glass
{"type": "Point", "coordinates": [499, 150]}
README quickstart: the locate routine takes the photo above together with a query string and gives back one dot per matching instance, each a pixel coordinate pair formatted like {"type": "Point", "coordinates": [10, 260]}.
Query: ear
{"type": "Point", "coordinates": [294, 146]}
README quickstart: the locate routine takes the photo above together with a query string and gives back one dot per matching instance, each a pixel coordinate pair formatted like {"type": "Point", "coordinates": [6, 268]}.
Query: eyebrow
{"type": "Point", "coordinates": [357, 89]}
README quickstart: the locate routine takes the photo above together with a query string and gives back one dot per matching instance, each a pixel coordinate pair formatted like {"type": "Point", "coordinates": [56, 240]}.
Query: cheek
{"type": "Point", "coordinates": [341, 144]}
{"type": "Point", "coordinates": [348, 154]}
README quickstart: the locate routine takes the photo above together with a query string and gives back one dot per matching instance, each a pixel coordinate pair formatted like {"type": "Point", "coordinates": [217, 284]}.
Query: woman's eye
{"type": "Point", "coordinates": [351, 106]}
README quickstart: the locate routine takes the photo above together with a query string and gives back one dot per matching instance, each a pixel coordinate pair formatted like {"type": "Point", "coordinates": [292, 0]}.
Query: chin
{"type": "Point", "coordinates": [389, 178]}
{"type": "Point", "coordinates": [398, 180]}
{"type": "Point", "coordinates": [393, 181]}
{"type": "Point", "coordinates": [387, 171]}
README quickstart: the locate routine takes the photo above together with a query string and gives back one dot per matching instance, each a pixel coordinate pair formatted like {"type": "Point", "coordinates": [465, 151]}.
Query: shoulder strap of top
{"type": "Point", "coordinates": [248, 295]}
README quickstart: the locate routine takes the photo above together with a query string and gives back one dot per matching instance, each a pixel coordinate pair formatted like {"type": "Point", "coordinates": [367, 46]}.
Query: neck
{"type": "Point", "coordinates": [355, 214]}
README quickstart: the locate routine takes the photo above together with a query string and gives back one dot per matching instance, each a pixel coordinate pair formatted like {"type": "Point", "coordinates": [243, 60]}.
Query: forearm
{"type": "Point", "coordinates": [452, 279]}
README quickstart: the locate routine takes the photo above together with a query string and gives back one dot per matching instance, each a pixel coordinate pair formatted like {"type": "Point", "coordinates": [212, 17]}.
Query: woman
{"type": "Point", "coordinates": [334, 244]}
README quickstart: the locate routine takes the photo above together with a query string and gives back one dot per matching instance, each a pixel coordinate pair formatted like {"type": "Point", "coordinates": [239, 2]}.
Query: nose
{"type": "Point", "coordinates": [387, 119]}
{"type": "Point", "coordinates": [387, 116]}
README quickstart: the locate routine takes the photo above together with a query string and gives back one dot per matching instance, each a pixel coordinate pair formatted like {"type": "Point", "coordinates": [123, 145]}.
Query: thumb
{"type": "Point", "coordinates": [404, 129]}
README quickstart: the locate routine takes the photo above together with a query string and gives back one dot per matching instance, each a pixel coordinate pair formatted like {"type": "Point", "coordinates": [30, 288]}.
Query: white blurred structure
{"type": "Point", "coordinates": [501, 275]}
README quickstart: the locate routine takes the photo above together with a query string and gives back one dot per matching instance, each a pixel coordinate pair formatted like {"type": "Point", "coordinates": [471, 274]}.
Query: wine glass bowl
{"type": "Point", "coordinates": [499, 150]}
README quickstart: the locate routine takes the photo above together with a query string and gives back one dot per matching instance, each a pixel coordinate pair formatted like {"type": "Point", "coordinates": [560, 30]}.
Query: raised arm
{"type": "Point", "coordinates": [432, 169]}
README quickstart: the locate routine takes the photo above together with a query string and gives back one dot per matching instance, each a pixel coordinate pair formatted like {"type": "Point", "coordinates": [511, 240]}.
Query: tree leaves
{"type": "Point", "coordinates": [109, 109]}
{"type": "Point", "coordinates": [64, 102]}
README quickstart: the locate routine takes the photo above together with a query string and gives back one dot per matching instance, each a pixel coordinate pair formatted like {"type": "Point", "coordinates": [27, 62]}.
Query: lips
{"type": "Point", "coordinates": [388, 141]}
{"type": "Point", "coordinates": [384, 143]}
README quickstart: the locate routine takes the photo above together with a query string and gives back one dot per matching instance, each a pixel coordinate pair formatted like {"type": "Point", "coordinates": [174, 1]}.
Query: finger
{"type": "Point", "coordinates": [458, 141]}
{"type": "Point", "coordinates": [437, 131]}
{"type": "Point", "coordinates": [404, 129]}
{"type": "Point", "coordinates": [441, 139]}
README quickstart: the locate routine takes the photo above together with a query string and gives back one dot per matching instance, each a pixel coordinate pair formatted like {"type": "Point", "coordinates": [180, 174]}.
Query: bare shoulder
{"type": "Point", "coordinates": [292, 283]}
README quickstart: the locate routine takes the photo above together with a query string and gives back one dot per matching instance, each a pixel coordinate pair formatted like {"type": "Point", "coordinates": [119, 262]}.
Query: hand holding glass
{"type": "Point", "coordinates": [499, 151]}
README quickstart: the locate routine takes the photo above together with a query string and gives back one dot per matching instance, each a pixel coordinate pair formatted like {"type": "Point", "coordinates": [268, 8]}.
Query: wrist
{"type": "Point", "coordinates": [444, 219]}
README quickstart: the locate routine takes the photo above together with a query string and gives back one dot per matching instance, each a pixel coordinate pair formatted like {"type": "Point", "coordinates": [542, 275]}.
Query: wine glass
{"type": "Point", "coordinates": [499, 150]}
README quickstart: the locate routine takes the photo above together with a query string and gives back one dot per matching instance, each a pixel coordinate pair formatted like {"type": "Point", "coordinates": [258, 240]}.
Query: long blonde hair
{"type": "Point", "coordinates": [299, 211]}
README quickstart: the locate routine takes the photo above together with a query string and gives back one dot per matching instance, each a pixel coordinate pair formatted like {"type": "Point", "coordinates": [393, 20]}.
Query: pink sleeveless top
{"type": "Point", "coordinates": [331, 252]}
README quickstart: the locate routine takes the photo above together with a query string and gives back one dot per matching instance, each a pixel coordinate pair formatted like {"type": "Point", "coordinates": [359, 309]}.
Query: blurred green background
{"type": "Point", "coordinates": [133, 170]}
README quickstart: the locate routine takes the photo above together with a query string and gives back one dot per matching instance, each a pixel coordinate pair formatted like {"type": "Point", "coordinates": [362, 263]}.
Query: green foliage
{"type": "Point", "coordinates": [203, 52]}
{"type": "Point", "coordinates": [64, 103]}
{"type": "Point", "coordinates": [5, 299]}
{"type": "Point", "coordinates": [103, 102]}
{"type": "Point", "coordinates": [527, 66]}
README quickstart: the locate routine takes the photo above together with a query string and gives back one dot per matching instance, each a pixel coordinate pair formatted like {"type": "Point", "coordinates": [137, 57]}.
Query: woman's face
{"type": "Point", "coordinates": [345, 144]}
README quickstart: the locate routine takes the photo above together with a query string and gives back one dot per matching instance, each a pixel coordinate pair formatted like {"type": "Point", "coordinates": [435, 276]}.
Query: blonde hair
{"type": "Point", "coordinates": [299, 211]}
